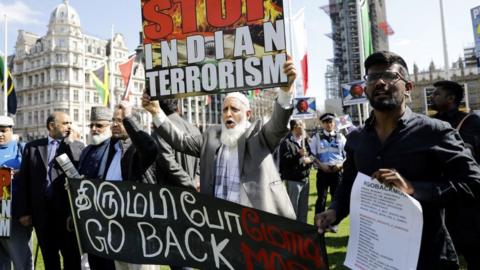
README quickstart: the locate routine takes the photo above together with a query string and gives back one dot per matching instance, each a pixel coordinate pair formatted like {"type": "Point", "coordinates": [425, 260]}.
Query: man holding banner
{"type": "Point", "coordinates": [236, 162]}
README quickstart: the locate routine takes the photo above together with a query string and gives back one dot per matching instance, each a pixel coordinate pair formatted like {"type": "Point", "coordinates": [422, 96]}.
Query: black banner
{"type": "Point", "coordinates": [154, 224]}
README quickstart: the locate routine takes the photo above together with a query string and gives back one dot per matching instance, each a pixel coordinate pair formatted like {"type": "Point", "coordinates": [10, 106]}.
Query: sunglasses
{"type": "Point", "coordinates": [98, 125]}
{"type": "Point", "coordinates": [387, 76]}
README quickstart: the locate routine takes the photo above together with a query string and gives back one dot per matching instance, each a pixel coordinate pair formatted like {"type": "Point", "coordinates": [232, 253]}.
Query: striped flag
{"type": "Point", "coordinates": [126, 70]}
{"type": "Point", "coordinates": [12, 97]}
{"type": "Point", "coordinates": [101, 81]}
{"type": "Point", "coordinates": [300, 53]}
{"type": "Point", "coordinates": [365, 26]}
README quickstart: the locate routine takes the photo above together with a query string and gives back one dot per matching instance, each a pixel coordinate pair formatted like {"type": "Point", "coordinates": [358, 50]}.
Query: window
{"type": "Point", "coordinates": [59, 58]}
{"type": "Point", "coordinates": [42, 78]}
{"type": "Point", "coordinates": [19, 118]}
{"type": "Point", "coordinates": [59, 74]}
{"type": "Point", "coordinates": [96, 98]}
{"type": "Point", "coordinates": [41, 97]}
{"type": "Point", "coordinates": [87, 114]}
{"type": "Point", "coordinates": [35, 118]}
{"type": "Point", "coordinates": [30, 118]}
{"type": "Point", "coordinates": [30, 100]}
{"type": "Point", "coordinates": [42, 116]}
{"type": "Point", "coordinates": [20, 82]}
{"type": "Point", "coordinates": [76, 75]}
{"type": "Point", "coordinates": [75, 115]}
{"type": "Point", "coordinates": [35, 98]}
{"type": "Point", "coordinates": [48, 96]}
{"type": "Point", "coordinates": [75, 95]}
{"type": "Point", "coordinates": [87, 98]}
{"type": "Point", "coordinates": [61, 43]}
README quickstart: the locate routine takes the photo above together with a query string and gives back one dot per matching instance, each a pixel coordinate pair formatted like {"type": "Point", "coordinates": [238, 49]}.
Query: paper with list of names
{"type": "Point", "coordinates": [385, 227]}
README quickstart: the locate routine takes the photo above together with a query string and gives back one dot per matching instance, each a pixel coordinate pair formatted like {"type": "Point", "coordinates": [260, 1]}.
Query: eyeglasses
{"type": "Point", "coordinates": [97, 125]}
{"type": "Point", "coordinates": [117, 120]}
{"type": "Point", "coordinates": [387, 77]}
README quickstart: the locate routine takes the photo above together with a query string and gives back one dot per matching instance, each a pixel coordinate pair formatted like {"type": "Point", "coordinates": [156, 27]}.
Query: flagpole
{"type": "Point", "coordinates": [111, 96]}
{"type": "Point", "coordinates": [84, 136]}
{"type": "Point", "coordinates": [290, 26]}
{"type": "Point", "coordinates": [5, 71]}
{"type": "Point", "coordinates": [444, 41]}
{"type": "Point", "coordinates": [361, 46]}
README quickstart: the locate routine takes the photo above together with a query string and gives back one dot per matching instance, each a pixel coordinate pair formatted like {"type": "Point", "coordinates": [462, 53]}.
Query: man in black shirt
{"type": "Point", "coordinates": [462, 220]}
{"type": "Point", "coordinates": [422, 157]}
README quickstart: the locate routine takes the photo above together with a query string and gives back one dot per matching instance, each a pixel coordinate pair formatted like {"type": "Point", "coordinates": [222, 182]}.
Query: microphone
{"type": "Point", "coordinates": [67, 166]}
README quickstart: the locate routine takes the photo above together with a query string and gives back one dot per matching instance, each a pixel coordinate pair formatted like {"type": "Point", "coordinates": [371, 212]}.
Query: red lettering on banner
{"type": "Point", "coordinates": [255, 10]}
{"type": "Point", "coordinates": [189, 15]}
{"type": "Point", "coordinates": [270, 261]}
{"type": "Point", "coordinates": [215, 16]}
{"type": "Point", "coordinates": [271, 234]}
{"type": "Point", "coordinates": [254, 233]}
{"type": "Point", "coordinates": [219, 13]}
{"type": "Point", "coordinates": [160, 24]}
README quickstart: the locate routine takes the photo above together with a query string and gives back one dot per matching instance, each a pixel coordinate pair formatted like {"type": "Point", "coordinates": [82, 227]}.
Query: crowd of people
{"type": "Point", "coordinates": [421, 156]}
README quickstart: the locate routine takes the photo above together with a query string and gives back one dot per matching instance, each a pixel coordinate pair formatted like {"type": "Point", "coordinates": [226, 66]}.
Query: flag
{"type": "Point", "coordinates": [365, 28]}
{"type": "Point", "coordinates": [12, 97]}
{"type": "Point", "coordinates": [100, 80]}
{"type": "Point", "coordinates": [300, 56]}
{"type": "Point", "coordinates": [126, 70]}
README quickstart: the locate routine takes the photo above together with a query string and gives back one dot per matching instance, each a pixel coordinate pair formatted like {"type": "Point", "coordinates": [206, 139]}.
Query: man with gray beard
{"type": "Point", "coordinates": [236, 162]}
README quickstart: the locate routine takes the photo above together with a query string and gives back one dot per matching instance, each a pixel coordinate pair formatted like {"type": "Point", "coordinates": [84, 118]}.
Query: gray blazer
{"type": "Point", "coordinates": [261, 185]}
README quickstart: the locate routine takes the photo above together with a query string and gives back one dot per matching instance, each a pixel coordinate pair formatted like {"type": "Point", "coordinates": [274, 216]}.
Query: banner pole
{"type": "Point", "coordinates": [67, 187]}
{"type": "Point", "coordinates": [5, 71]}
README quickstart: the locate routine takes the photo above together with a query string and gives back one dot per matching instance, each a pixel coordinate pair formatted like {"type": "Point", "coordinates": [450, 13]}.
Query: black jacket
{"type": "Point", "coordinates": [291, 167]}
{"type": "Point", "coordinates": [30, 198]}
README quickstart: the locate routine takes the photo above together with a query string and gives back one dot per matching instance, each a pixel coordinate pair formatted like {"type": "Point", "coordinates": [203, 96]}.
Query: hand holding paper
{"type": "Point", "coordinates": [391, 177]}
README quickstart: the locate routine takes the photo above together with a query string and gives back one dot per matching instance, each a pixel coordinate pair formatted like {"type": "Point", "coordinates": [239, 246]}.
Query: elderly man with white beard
{"type": "Point", "coordinates": [236, 162]}
{"type": "Point", "coordinates": [93, 157]}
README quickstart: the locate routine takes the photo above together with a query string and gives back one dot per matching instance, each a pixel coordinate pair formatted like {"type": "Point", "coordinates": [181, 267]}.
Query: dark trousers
{"type": "Point", "coordinates": [54, 238]}
{"type": "Point", "coordinates": [325, 182]}
{"type": "Point", "coordinates": [463, 224]}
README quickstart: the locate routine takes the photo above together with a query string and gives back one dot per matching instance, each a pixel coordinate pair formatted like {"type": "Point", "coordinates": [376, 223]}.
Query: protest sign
{"type": "Point", "coordinates": [354, 93]}
{"type": "Point", "coordinates": [385, 227]}
{"type": "Point", "coordinates": [6, 197]}
{"type": "Point", "coordinates": [304, 108]}
{"type": "Point", "coordinates": [200, 47]}
{"type": "Point", "coordinates": [475, 13]}
{"type": "Point", "coordinates": [155, 224]}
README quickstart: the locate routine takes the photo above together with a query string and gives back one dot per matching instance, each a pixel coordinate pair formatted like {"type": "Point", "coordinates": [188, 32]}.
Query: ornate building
{"type": "Point", "coordinates": [52, 73]}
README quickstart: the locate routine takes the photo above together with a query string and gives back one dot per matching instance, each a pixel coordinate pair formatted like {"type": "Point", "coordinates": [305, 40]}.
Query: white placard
{"type": "Point", "coordinates": [385, 227]}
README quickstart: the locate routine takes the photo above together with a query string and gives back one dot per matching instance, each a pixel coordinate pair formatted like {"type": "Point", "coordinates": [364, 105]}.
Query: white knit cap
{"type": "Point", "coordinates": [240, 97]}
{"type": "Point", "coordinates": [6, 121]}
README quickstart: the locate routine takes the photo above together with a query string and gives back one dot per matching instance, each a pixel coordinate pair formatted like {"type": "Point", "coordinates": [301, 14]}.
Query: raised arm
{"type": "Point", "coordinates": [179, 140]}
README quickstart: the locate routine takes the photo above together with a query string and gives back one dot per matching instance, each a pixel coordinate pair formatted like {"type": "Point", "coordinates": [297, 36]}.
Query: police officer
{"type": "Point", "coordinates": [327, 147]}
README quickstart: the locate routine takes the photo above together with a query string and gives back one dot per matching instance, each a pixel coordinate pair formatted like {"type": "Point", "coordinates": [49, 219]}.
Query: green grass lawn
{"type": "Point", "coordinates": [336, 242]}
